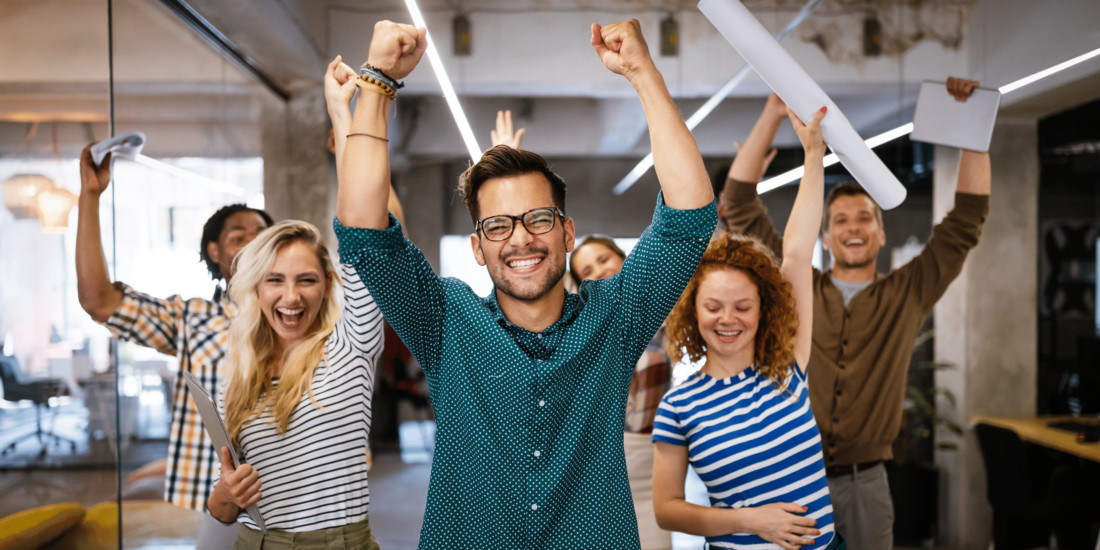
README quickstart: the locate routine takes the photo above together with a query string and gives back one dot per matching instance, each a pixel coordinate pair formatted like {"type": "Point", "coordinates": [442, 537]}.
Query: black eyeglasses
{"type": "Point", "coordinates": [537, 222]}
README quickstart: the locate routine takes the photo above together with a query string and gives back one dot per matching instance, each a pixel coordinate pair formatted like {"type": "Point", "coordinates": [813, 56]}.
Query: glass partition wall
{"type": "Point", "coordinates": [58, 437]}
{"type": "Point", "coordinates": [86, 419]}
{"type": "Point", "coordinates": [200, 115]}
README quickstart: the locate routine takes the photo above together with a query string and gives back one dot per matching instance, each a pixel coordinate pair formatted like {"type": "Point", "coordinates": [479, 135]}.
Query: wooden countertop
{"type": "Point", "coordinates": [1036, 430]}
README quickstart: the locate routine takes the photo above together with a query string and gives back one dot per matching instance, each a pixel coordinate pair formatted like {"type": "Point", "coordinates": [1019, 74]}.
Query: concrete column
{"type": "Point", "coordinates": [426, 193]}
{"type": "Point", "coordinates": [986, 325]}
{"type": "Point", "coordinates": [299, 177]}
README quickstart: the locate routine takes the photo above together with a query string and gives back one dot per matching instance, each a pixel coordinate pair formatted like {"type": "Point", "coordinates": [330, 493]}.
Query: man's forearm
{"type": "Point", "coordinates": [363, 170]}
{"type": "Point", "coordinates": [95, 292]}
{"type": "Point", "coordinates": [975, 173]}
{"type": "Point", "coordinates": [676, 157]}
{"type": "Point", "coordinates": [749, 163]}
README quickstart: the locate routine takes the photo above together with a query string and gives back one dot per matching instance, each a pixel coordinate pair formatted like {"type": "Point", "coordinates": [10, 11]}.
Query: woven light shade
{"type": "Point", "coordinates": [54, 205]}
{"type": "Point", "coordinates": [20, 191]}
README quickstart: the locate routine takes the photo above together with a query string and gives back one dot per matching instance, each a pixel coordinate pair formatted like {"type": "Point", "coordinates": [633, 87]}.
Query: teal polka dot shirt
{"type": "Point", "coordinates": [529, 441]}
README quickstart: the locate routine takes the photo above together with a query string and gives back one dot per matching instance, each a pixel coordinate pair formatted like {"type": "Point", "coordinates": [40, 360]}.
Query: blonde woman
{"type": "Point", "coordinates": [298, 401]}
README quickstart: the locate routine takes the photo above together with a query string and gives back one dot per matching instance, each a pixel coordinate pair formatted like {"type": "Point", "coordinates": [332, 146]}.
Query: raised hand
{"type": "Point", "coordinates": [809, 135]}
{"type": "Point", "coordinates": [503, 134]}
{"type": "Point", "coordinates": [240, 485]}
{"type": "Point", "coordinates": [961, 88]}
{"type": "Point", "coordinates": [775, 108]}
{"type": "Point", "coordinates": [622, 48]}
{"type": "Point", "coordinates": [94, 179]}
{"type": "Point", "coordinates": [782, 524]}
{"type": "Point", "coordinates": [396, 48]}
{"type": "Point", "coordinates": [339, 89]}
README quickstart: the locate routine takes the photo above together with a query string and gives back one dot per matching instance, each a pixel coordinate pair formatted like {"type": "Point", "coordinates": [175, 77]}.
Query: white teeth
{"type": "Point", "coordinates": [524, 263]}
{"type": "Point", "coordinates": [854, 242]}
{"type": "Point", "coordinates": [728, 333]}
{"type": "Point", "coordinates": [287, 311]}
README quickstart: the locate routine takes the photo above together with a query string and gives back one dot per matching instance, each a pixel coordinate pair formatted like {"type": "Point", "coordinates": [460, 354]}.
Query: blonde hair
{"type": "Point", "coordinates": [252, 341]}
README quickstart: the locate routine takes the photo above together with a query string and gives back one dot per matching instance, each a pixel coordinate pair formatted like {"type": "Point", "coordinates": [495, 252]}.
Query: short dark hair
{"type": "Point", "coordinates": [849, 189]}
{"type": "Point", "coordinates": [503, 161]}
{"type": "Point", "coordinates": [213, 227]}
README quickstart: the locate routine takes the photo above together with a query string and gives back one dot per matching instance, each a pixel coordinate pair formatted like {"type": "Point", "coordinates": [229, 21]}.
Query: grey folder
{"type": "Point", "coordinates": [216, 428]}
{"type": "Point", "coordinates": [966, 124]}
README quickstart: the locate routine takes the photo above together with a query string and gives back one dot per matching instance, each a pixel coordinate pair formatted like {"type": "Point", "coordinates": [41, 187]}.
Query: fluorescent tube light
{"type": "Point", "coordinates": [646, 163]}
{"type": "Point", "coordinates": [445, 83]}
{"type": "Point", "coordinates": [1013, 86]}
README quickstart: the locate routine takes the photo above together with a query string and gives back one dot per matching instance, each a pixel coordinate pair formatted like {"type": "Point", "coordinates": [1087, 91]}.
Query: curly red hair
{"type": "Point", "coordinates": [773, 347]}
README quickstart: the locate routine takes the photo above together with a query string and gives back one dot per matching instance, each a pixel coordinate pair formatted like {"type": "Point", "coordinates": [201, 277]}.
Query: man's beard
{"type": "Point", "coordinates": [531, 293]}
{"type": "Point", "coordinates": [554, 273]}
{"type": "Point", "coordinates": [842, 263]}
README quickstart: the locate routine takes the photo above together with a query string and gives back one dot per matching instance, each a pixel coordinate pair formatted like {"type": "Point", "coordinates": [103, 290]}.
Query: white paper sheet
{"type": "Point", "coordinates": [790, 81]}
{"type": "Point", "coordinates": [124, 146]}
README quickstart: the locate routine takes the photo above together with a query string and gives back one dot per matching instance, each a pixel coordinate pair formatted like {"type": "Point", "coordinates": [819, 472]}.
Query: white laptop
{"type": "Point", "coordinates": [961, 124]}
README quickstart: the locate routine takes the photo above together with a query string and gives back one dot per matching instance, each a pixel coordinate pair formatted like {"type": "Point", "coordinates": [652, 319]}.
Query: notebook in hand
{"type": "Point", "coordinates": [212, 420]}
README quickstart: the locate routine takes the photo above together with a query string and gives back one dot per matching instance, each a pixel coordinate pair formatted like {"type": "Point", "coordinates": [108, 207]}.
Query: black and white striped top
{"type": "Point", "coordinates": [315, 475]}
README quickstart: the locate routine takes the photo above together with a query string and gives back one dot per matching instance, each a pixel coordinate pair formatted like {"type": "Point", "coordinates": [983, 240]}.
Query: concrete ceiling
{"type": "Point", "coordinates": [528, 55]}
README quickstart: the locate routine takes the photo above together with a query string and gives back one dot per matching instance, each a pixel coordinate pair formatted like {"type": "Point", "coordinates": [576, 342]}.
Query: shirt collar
{"type": "Point", "coordinates": [569, 310]}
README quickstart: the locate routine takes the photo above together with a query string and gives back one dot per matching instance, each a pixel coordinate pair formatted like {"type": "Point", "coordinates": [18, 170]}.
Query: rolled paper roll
{"type": "Point", "coordinates": [790, 81]}
{"type": "Point", "coordinates": [123, 146]}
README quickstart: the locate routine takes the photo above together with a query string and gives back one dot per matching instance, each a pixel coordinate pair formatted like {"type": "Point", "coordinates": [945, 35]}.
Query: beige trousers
{"type": "Point", "coordinates": [639, 470]}
{"type": "Point", "coordinates": [863, 511]}
{"type": "Point", "coordinates": [356, 536]}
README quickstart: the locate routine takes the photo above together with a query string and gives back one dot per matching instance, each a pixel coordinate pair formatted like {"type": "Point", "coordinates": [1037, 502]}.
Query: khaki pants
{"type": "Point", "coordinates": [639, 470]}
{"type": "Point", "coordinates": [356, 536]}
{"type": "Point", "coordinates": [862, 509]}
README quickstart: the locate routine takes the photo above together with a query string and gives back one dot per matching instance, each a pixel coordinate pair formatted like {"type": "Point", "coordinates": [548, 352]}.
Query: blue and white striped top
{"type": "Point", "coordinates": [751, 444]}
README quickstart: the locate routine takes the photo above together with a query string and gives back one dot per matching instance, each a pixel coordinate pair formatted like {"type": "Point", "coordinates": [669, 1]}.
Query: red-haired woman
{"type": "Point", "coordinates": [744, 420]}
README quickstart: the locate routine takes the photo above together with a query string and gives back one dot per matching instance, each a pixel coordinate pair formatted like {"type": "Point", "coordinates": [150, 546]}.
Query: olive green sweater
{"type": "Point", "coordinates": [860, 358]}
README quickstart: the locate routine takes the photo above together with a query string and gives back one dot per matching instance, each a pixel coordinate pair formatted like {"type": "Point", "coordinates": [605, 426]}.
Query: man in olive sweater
{"type": "Point", "coordinates": [865, 322]}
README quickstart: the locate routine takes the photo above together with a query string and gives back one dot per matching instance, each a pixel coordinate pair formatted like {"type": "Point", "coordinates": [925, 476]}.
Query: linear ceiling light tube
{"type": "Point", "coordinates": [646, 163]}
{"type": "Point", "coordinates": [445, 83]}
{"type": "Point", "coordinates": [1012, 86]}
{"type": "Point", "coordinates": [793, 175]}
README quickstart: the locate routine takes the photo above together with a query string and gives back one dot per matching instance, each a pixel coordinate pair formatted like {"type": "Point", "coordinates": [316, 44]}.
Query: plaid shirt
{"type": "Point", "coordinates": [196, 331]}
{"type": "Point", "coordinates": [652, 378]}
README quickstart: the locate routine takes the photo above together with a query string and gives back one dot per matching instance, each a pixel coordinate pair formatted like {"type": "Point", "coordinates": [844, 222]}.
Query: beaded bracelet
{"type": "Point", "coordinates": [380, 83]}
{"type": "Point", "coordinates": [378, 72]}
{"type": "Point", "coordinates": [370, 83]}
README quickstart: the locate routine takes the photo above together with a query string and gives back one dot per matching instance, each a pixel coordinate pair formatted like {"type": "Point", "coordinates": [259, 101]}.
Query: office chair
{"type": "Point", "coordinates": [37, 391]}
{"type": "Point", "coordinates": [1018, 479]}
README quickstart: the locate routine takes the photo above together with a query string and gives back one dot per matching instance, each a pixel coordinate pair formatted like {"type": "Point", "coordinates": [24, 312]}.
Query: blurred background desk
{"type": "Point", "coordinates": [1039, 481]}
{"type": "Point", "coordinates": [1039, 432]}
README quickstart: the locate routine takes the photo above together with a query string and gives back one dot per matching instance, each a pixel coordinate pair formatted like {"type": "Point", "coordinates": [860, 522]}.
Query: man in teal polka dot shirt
{"type": "Point", "coordinates": [529, 383]}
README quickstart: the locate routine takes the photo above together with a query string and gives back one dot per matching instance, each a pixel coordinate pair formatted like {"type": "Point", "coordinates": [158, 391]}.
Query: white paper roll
{"type": "Point", "coordinates": [790, 81]}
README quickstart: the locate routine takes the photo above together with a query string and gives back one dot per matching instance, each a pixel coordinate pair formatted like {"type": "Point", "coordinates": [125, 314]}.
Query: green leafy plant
{"type": "Point", "coordinates": [915, 442]}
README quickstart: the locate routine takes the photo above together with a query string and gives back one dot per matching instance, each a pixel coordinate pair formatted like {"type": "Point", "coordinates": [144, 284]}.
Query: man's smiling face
{"type": "Point", "coordinates": [523, 266]}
